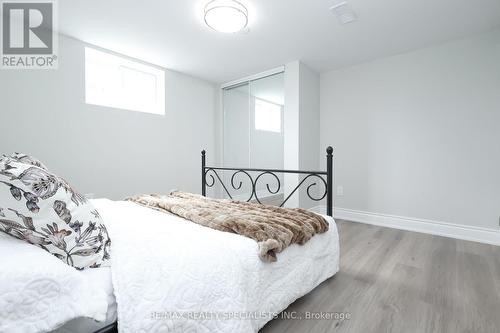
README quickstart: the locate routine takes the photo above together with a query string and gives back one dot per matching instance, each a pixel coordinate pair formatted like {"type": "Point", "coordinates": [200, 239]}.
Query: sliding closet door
{"type": "Point", "coordinates": [267, 102]}
{"type": "Point", "coordinates": [236, 101]}
{"type": "Point", "coordinates": [253, 130]}
{"type": "Point", "coordinates": [236, 129]}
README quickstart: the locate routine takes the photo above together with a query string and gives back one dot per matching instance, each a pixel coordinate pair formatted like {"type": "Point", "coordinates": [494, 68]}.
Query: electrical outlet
{"type": "Point", "coordinates": [340, 191]}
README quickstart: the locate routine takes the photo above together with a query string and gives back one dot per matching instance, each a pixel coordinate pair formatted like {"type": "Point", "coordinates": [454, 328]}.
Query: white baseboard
{"type": "Point", "coordinates": [475, 234]}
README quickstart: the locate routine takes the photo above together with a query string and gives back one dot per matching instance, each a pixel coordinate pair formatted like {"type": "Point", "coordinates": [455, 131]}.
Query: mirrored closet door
{"type": "Point", "coordinates": [253, 131]}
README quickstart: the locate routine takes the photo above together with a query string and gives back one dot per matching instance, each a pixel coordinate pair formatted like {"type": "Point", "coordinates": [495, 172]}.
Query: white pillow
{"type": "Point", "coordinates": [42, 209]}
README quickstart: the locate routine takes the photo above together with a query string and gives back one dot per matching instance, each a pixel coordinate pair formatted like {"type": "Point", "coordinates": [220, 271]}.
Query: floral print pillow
{"type": "Point", "coordinates": [42, 209]}
{"type": "Point", "coordinates": [25, 159]}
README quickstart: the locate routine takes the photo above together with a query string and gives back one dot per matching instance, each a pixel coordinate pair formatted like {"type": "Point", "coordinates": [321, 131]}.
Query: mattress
{"type": "Point", "coordinates": [100, 278]}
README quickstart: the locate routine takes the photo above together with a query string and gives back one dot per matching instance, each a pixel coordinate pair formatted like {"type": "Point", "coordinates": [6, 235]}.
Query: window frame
{"type": "Point", "coordinates": [115, 96]}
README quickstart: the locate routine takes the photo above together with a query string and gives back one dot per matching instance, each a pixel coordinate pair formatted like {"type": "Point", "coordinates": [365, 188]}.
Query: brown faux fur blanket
{"type": "Point", "coordinates": [273, 228]}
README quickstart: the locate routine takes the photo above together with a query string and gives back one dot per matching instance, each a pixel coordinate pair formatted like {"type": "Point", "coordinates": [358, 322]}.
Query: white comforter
{"type": "Point", "coordinates": [38, 292]}
{"type": "Point", "coordinates": [170, 275]}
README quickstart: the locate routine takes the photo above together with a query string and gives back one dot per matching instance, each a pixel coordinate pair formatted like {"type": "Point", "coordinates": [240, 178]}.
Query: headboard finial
{"type": "Point", "coordinates": [329, 150]}
{"type": "Point", "coordinates": [203, 152]}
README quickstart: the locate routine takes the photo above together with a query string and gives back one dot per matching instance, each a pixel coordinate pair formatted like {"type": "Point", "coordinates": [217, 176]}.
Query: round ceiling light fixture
{"type": "Point", "coordinates": [227, 16]}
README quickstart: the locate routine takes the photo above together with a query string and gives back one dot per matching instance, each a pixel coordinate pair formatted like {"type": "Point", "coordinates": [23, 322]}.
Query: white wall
{"type": "Point", "coordinates": [291, 130]}
{"type": "Point", "coordinates": [301, 126]}
{"type": "Point", "coordinates": [109, 152]}
{"type": "Point", "coordinates": [309, 133]}
{"type": "Point", "coordinates": [418, 134]}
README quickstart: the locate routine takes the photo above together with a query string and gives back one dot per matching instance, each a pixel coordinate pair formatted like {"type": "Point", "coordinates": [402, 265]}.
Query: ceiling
{"type": "Point", "coordinates": [171, 33]}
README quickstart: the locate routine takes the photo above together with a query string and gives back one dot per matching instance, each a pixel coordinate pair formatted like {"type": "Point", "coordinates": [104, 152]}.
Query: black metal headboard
{"type": "Point", "coordinates": [318, 175]}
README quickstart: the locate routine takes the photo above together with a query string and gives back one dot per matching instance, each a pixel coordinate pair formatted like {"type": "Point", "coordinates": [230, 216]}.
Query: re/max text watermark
{"type": "Point", "coordinates": [251, 315]}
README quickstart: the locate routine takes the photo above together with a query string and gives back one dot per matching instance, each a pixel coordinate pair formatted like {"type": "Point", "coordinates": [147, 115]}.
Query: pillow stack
{"type": "Point", "coordinates": [42, 209]}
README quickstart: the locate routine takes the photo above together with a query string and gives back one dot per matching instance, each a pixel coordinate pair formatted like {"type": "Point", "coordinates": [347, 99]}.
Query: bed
{"type": "Point", "coordinates": [169, 275]}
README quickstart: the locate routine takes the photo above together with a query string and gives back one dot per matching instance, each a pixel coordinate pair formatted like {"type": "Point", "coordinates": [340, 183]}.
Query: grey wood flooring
{"type": "Point", "coordinates": [398, 281]}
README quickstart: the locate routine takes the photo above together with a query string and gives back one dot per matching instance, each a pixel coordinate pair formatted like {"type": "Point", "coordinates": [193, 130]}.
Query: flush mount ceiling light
{"type": "Point", "coordinates": [227, 16]}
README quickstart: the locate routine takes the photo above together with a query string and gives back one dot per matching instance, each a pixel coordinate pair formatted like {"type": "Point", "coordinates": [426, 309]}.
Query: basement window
{"type": "Point", "coordinates": [120, 83]}
{"type": "Point", "coordinates": [267, 116]}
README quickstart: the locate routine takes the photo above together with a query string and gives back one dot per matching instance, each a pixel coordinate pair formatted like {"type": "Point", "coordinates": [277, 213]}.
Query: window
{"type": "Point", "coordinates": [267, 116]}
{"type": "Point", "coordinates": [120, 83]}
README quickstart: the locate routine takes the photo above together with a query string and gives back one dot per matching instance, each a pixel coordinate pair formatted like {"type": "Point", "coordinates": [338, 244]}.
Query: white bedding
{"type": "Point", "coordinates": [99, 278]}
{"type": "Point", "coordinates": [38, 292]}
{"type": "Point", "coordinates": [161, 265]}
{"type": "Point", "coordinates": [170, 275]}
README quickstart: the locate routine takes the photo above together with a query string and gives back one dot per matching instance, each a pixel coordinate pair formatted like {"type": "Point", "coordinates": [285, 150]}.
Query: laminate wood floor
{"type": "Point", "coordinates": [399, 281]}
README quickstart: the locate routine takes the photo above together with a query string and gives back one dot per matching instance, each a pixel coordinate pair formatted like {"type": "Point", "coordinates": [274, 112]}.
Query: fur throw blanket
{"type": "Point", "coordinates": [273, 228]}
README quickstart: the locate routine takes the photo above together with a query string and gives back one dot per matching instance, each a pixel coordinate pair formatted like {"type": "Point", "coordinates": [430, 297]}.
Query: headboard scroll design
{"type": "Point", "coordinates": [210, 176]}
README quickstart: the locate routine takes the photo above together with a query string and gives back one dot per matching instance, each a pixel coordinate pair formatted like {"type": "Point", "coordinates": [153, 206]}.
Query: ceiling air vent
{"type": "Point", "coordinates": [344, 12]}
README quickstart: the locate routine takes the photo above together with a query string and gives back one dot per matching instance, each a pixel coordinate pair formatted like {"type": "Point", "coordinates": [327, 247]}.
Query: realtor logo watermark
{"type": "Point", "coordinates": [29, 37]}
